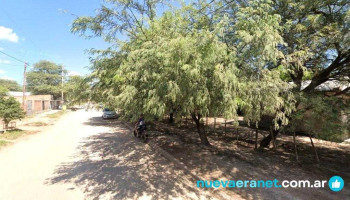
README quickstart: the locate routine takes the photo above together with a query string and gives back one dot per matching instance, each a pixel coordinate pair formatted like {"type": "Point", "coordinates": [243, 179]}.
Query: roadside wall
{"type": "Point", "coordinates": [35, 103]}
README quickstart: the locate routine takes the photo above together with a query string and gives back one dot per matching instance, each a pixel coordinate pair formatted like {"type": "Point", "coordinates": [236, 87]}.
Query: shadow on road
{"type": "Point", "coordinates": [98, 121]}
{"type": "Point", "coordinates": [115, 165]}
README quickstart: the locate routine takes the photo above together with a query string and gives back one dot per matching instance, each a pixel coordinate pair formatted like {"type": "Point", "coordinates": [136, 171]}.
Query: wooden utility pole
{"type": "Point", "coordinates": [62, 85]}
{"type": "Point", "coordinates": [24, 86]}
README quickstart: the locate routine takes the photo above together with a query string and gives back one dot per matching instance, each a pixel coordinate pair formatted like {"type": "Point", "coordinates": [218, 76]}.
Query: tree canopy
{"type": "Point", "coordinates": [10, 109]}
{"type": "Point", "coordinates": [77, 90]}
{"type": "Point", "coordinates": [10, 85]}
{"type": "Point", "coordinates": [212, 57]}
{"type": "Point", "coordinates": [45, 78]}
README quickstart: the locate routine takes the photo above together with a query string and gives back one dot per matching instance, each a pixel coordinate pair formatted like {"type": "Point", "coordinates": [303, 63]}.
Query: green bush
{"type": "Point", "coordinates": [10, 109]}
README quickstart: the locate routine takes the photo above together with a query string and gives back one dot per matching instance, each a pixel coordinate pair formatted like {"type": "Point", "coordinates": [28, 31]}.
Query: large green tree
{"type": "Point", "coordinates": [77, 90]}
{"type": "Point", "coordinates": [312, 40]}
{"type": "Point", "coordinates": [317, 40]}
{"type": "Point", "coordinates": [210, 57]}
{"type": "Point", "coordinates": [10, 85]}
{"type": "Point", "coordinates": [174, 68]}
{"type": "Point", "coordinates": [45, 78]}
{"type": "Point", "coordinates": [180, 63]}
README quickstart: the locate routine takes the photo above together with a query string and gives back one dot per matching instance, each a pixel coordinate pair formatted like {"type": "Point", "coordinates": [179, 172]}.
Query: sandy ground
{"type": "Point", "coordinates": [228, 159]}
{"type": "Point", "coordinates": [82, 156]}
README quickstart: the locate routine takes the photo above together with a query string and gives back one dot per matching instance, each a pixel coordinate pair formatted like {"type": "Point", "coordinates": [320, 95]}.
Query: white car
{"type": "Point", "coordinates": [109, 114]}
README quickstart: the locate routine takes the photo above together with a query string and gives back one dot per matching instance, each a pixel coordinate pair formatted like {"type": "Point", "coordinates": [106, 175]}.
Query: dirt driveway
{"type": "Point", "coordinates": [82, 156]}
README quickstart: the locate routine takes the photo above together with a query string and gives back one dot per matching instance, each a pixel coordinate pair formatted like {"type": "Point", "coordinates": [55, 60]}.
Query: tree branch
{"type": "Point", "coordinates": [323, 76]}
{"type": "Point", "coordinates": [343, 91]}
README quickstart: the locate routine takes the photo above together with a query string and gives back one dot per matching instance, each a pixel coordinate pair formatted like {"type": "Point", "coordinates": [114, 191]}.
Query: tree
{"type": "Point", "coordinates": [313, 44]}
{"type": "Point", "coordinates": [178, 69]}
{"type": "Point", "coordinates": [213, 56]}
{"type": "Point", "coordinates": [317, 40]}
{"type": "Point", "coordinates": [10, 109]}
{"type": "Point", "coordinates": [77, 90]}
{"type": "Point", "coordinates": [45, 78]}
{"type": "Point", "coordinates": [10, 85]}
{"type": "Point", "coordinates": [3, 91]}
{"type": "Point", "coordinates": [119, 16]}
{"type": "Point", "coordinates": [181, 62]}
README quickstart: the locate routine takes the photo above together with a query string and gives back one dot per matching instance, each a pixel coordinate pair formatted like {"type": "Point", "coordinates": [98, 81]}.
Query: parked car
{"type": "Point", "coordinates": [109, 114]}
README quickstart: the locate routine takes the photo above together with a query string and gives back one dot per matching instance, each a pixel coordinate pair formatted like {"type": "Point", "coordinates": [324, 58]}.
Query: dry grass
{"type": "Point", "coordinates": [12, 134]}
{"type": "Point", "coordinates": [3, 143]}
{"type": "Point", "coordinates": [37, 124]}
{"type": "Point", "coordinates": [56, 114]}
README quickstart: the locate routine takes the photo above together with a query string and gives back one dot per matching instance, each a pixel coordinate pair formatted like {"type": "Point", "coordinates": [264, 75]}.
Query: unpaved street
{"type": "Point", "coordinates": [84, 157]}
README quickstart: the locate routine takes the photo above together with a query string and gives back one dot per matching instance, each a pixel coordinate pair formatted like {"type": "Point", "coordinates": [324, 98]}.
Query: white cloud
{"type": "Point", "coordinates": [74, 73]}
{"type": "Point", "coordinates": [2, 49]}
{"type": "Point", "coordinates": [4, 61]}
{"type": "Point", "coordinates": [7, 78]}
{"type": "Point", "coordinates": [8, 34]}
{"type": "Point", "coordinates": [2, 71]}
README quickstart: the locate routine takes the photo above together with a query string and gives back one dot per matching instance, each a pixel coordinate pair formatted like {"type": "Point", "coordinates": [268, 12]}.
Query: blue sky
{"type": "Point", "coordinates": [37, 30]}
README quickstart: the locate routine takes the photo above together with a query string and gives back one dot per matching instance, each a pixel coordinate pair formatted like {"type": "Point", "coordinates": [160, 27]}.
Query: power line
{"type": "Point", "coordinates": [13, 57]}
{"type": "Point", "coordinates": [13, 50]}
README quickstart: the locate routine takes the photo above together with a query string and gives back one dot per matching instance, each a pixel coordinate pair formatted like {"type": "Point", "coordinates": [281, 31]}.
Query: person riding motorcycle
{"type": "Point", "coordinates": [141, 125]}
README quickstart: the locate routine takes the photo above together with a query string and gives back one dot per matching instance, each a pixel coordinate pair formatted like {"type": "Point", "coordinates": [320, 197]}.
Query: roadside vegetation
{"type": "Point", "coordinates": [266, 61]}
{"type": "Point", "coordinates": [45, 78]}
{"type": "Point", "coordinates": [10, 85]}
{"type": "Point", "coordinates": [10, 136]}
{"type": "Point", "coordinates": [3, 143]}
{"type": "Point", "coordinates": [10, 108]}
{"type": "Point", "coordinates": [56, 114]}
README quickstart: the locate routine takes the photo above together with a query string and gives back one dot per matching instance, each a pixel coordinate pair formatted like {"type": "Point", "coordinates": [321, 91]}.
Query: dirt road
{"type": "Point", "coordinates": [82, 156]}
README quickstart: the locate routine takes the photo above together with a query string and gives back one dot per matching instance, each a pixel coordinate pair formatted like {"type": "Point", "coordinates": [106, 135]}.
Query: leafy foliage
{"type": "Point", "coordinates": [211, 57]}
{"type": "Point", "coordinates": [10, 85]}
{"type": "Point", "coordinates": [3, 91]}
{"type": "Point", "coordinates": [323, 117]}
{"type": "Point", "coordinates": [76, 90]}
{"type": "Point", "coordinates": [10, 109]}
{"type": "Point", "coordinates": [45, 78]}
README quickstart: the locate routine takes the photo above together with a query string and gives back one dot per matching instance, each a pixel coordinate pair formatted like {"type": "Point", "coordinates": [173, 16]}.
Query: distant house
{"type": "Point", "coordinates": [34, 103]}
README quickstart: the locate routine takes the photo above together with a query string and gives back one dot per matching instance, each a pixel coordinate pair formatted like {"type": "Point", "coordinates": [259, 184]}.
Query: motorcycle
{"type": "Point", "coordinates": [140, 132]}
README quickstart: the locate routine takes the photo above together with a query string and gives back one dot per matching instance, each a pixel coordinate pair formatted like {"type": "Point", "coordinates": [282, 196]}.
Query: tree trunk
{"type": "Point", "coordinates": [6, 123]}
{"type": "Point", "coordinates": [273, 136]}
{"type": "Point", "coordinates": [201, 133]}
{"type": "Point", "coordinates": [171, 118]}
{"type": "Point", "coordinates": [256, 138]}
{"type": "Point", "coordinates": [295, 147]}
{"type": "Point", "coordinates": [225, 128]}
{"type": "Point", "coordinates": [266, 141]}
{"type": "Point", "coordinates": [206, 124]}
{"type": "Point", "coordinates": [214, 124]}
{"type": "Point", "coordinates": [313, 147]}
